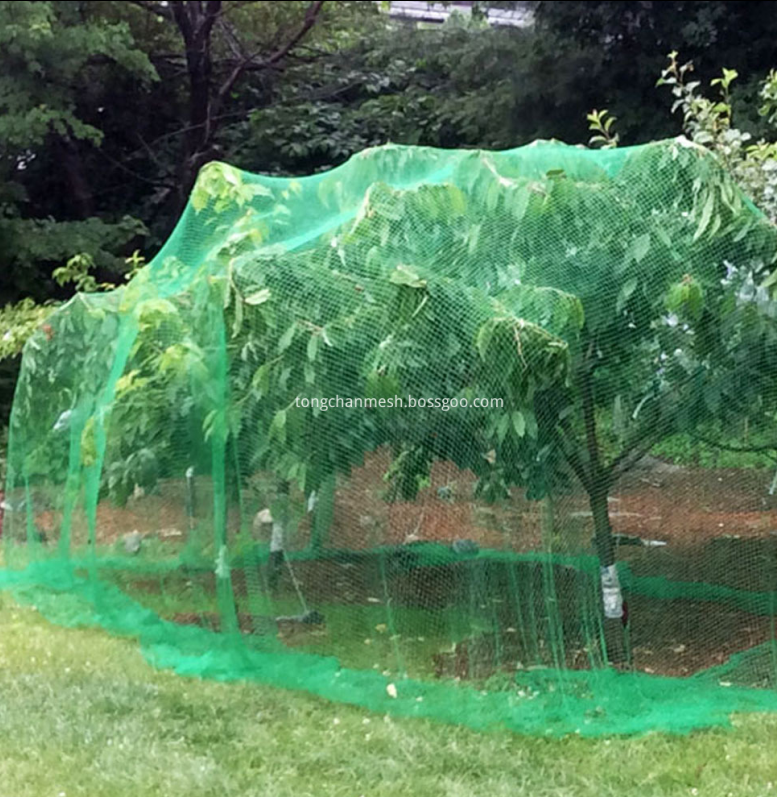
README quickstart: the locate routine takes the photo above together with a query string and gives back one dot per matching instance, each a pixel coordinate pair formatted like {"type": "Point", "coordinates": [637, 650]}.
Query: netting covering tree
{"type": "Point", "coordinates": [484, 437]}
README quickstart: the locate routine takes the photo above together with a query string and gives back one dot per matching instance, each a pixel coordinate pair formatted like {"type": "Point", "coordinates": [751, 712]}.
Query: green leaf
{"type": "Point", "coordinates": [675, 297]}
{"type": "Point", "coordinates": [706, 215]}
{"type": "Point", "coordinates": [261, 380]}
{"type": "Point", "coordinates": [238, 323]}
{"type": "Point", "coordinates": [502, 427]}
{"type": "Point", "coordinates": [641, 247]}
{"type": "Point", "coordinates": [283, 380]}
{"type": "Point", "coordinates": [313, 347]}
{"type": "Point", "coordinates": [771, 280]}
{"type": "Point", "coordinates": [531, 425]}
{"type": "Point", "coordinates": [519, 423]}
{"type": "Point", "coordinates": [200, 198]}
{"type": "Point", "coordinates": [627, 289]}
{"type": "Point", "coordinates": [260, 297]}
{"type": "Point", "coordinates": [278, 426]}
{"type": "Point", "coordinates": [286, 339]}
{"type": "Point", "coordinates": [695, 300]}
{"type": "Point", "coordinates": [485, 334]}
{"type": "Point", "coordinates": [208, 423]}
{"type": "Point", "coordinates": [404, 275]}
{"type": "Point", "coordinates": [745, 229]}
{"type": "Point", "coordinates": [663, 235]}
{"type": "Point", "coordinates": [519, 204]}
{"type": "Point", "coordinates": [473, 238]}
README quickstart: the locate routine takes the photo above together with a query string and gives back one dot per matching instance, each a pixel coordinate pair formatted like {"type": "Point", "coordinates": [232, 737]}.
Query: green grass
{"type": "Point", "coordinates": [82, 714]}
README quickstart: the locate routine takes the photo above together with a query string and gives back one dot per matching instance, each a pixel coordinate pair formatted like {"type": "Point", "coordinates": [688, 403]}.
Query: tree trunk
{"type": "Point", "coordinates": [195, 22]}
{"type": "Point", "coordinates": [600, 510]}
{"type": "Point", "coordinates": [80, 190]}
{"type": "Point", "coordinates": [612, 597]}
{"type": "Point", "coordinates": [598, 488]}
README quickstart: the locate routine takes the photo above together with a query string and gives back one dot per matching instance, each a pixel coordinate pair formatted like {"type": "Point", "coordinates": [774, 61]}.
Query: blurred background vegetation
{"type": "Point", "coordinates": [109, 109]}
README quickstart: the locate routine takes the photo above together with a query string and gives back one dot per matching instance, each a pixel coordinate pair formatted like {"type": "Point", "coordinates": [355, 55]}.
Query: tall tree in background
{"type": "Point", "coordinates": [216, 55]}
{"type": "Point", "coordinates": [55, 62]}
{"type": "Point", "coordinates": [612, 51]}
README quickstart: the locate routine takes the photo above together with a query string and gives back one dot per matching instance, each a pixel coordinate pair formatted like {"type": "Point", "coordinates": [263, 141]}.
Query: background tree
{"type": "Point", "coordinates": [215, 55]}
{"type": "Point", "coordinates": [609, 52]}
{"type": "Point", "coordinates": [56, 63]}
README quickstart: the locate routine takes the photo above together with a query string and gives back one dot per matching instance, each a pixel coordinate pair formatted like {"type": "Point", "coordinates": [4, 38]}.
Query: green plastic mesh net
{"type": "Point", "coordinates": [484, 437]}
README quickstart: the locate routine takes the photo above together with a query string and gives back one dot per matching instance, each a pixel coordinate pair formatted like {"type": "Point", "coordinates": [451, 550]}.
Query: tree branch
{"type": "Point", "coordinates": [625, 462]}
{"type": "Point", "coordinates": [571, 455]}
{"type": "Point", "coordinates": [626, 459]}
{"type": "Point", "coordinates": [578, 467]}
{"type": "Point", "coordinates": [311, 16]}
{"type": "Point", "coordinates": [119, 165]}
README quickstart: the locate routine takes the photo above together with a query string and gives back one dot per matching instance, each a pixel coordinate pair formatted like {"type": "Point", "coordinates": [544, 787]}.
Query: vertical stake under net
{"type": "Point", "coordinates": [515, 594]}
{"type": "Point", "coordinates": [220, 393]}
{"type": "Point", "coordinates": [549, 586]}
{"type": "Point", "coordinates": [390, 615]}
{"type": "Point", "coordinates": [297, 588]}
{"type": "Point", "coordinates": [191, 498]}
{"type": "Point", "coordinates": [773, 616]}
{"type": "Point", "coordinates": [72, 481]}
{"type": "Point", "coordinates": [251, 566]}
{"type": "Point", "coordinates": [29, 513]}
{"type": "Point", "coordinates": [323, 510]}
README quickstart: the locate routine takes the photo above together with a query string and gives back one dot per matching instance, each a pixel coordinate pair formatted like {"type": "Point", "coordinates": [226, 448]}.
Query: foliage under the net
{"type": "Point", "coordinates": [606, 300]}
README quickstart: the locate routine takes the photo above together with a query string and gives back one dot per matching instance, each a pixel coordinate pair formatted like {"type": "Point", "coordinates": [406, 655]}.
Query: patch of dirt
{"type": "Point", "coordinates": [718, 525]}
{"type": "Point", "coordinates": [680, 507]}
{"type": "Point", "coordinates": [682, 637]}
{"type": "Point", "coordinates": [161, 514]}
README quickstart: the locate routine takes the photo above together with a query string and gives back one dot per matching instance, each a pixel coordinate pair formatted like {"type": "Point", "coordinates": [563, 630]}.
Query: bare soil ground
{"type": "Point", "coordinates": [687, 506]}
{"type": "Point", "coordinates": [718, 527]}
{"type": "Point", "coordinates": [682, 507]}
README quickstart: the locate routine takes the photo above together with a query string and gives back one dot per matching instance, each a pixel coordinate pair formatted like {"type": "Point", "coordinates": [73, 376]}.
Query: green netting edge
{"type": "Point", "coordinates": [544, 702]}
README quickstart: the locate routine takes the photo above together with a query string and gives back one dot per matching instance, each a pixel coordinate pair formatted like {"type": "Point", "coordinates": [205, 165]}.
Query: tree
{"type": "Point", "coordinates": [608, 305]}
{"type": "Point", "coordinates": [621, 314]}
{"type": "Point", "coordinates": [217, 55]}
{"type": "Point", "coordinates": [51, 56]}
{"type": "Point", "coordinates": [93, 100]}
{"type": "Point", "coordinates": [614, 49]}
{"type": "Point", "coordinates": [56, 60]}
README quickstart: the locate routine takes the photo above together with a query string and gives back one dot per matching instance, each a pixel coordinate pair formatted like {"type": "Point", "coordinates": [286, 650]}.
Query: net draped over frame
{"type": "Point", "coordinates": [485, 437]}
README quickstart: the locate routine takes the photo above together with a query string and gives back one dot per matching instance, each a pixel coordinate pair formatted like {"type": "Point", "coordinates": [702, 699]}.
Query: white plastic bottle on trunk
{"type": "Point", "coordinates": [611, 593]}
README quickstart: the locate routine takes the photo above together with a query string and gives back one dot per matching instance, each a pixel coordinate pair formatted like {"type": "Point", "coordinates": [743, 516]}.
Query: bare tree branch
{"type": "Point", "coordinates": [311, 15]}
{"type": "Point", "coordinates": [196, 21]}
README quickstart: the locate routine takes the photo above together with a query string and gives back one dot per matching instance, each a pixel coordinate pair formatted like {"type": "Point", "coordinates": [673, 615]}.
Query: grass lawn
{"type": "Point", "coordinates": [82, 714]}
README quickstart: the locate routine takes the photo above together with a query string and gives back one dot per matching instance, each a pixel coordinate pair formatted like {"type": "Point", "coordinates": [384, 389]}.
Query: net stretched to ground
{"type": "Point", "coordinates": [485, 437]}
